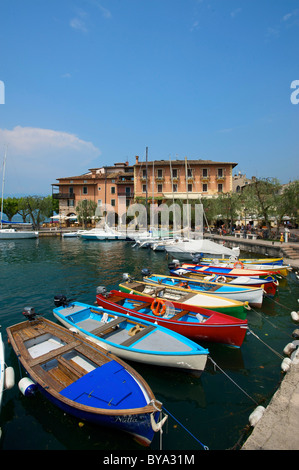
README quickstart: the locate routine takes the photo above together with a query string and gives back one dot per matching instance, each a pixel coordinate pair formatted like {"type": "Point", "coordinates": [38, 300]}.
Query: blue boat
{"type": "Point", "coordinates": [132, 338]}
{"type": "Point", "coordinates": [83, 379]}
{"type": "Point", "coordinates": [182, 278]}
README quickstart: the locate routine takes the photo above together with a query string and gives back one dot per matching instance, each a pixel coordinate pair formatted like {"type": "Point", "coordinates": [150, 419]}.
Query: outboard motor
{"type": "Point", "coordinates": [60, 300]}
{"type": "Point", "coordinates": [126, 277]}
{"type": "Point", "coordinates": [145, 272]}
{"type": "Point", "coordinates": [172, 266]}
{"type": "Point", "coordinates": [29, 313]}
{"type": "Point", "coordinates": [101, 290]}
{"type": "Point", "coordinates": [196, 259]}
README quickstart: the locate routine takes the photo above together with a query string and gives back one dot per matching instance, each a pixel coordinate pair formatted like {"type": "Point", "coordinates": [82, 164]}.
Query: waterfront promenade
{"type": "Point", "coordinates": [278, 427]}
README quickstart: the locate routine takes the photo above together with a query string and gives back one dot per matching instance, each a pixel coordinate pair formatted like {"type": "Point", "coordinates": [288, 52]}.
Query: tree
{"type": "Point", "coordinates": [262, 196]}
{"type": "Point", "coordinates": [85, 211]}
{"type": "Point", "coordinates": [289, 204]}
{"type": "Point", "coordinates": [40, 208]}
{"type": "Point", "coordinates": [23, 209]}
{"type": "Point", "coordinates": [10, 207]}
{"type": "Point", "coordinates": [229, 206]}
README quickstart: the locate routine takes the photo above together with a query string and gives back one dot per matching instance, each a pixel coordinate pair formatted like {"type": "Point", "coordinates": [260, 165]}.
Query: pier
{"type": "Point", "coordinates": [278, 427]}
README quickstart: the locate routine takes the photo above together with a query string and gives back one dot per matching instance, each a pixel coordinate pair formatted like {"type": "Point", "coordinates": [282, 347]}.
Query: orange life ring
{"type": "Point", "coordinates": [158, 307]}
{"type": "Point", "coordinates": [239, 263]}
{"type": "Point", "coordinates": [184, 285]}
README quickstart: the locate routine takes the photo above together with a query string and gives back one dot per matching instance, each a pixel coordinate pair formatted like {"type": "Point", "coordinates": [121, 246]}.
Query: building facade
{"type": "Point", "coordinates": [120, 185]}
{"type": "Point", "coordinates": [182, 179]}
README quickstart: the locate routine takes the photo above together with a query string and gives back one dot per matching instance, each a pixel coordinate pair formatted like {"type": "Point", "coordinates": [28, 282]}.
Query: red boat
{"type": "Point", "coordinates": [231, 275]}
{"type": "Point", "coordinates": [196, 323]}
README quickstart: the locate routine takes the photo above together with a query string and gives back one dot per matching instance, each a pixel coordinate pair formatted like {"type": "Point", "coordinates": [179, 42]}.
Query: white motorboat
{"type": "Point", "coordinates": [189, 248]}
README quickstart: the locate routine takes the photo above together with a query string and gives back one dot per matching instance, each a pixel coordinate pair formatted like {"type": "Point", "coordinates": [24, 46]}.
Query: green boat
{"type": "Point", "coordinates": [187, 296]}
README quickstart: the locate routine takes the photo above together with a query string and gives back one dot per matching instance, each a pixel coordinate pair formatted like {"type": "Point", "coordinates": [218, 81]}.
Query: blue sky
{"type": "Point", "coordinates": [94, 82]}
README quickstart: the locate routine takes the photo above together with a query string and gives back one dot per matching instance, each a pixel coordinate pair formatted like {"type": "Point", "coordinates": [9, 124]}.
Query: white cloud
{"type": "Point", "coordinates": [235, 12]}
{"type": "Point", "coordinates": [37, 157]}
{"type": "Point", "coordinates": [79, 22]}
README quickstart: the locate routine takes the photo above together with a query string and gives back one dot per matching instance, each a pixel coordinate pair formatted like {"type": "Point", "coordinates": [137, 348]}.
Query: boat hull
{"type": "Point", "coordinates": [12, 234]}
{"type": "Point", "coordinates": [217, 328]}
{"type": "Point", "coordinates": [159, 347]}
{"type": "Point", "coordinates": [84, 380]}
{"type": "Point", "coordinates": [254, 296]}
{"type": "Point", "coordinates": [221, 305]}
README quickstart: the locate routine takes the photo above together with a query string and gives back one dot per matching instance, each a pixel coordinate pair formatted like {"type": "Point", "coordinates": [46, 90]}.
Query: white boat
{"type": "Point", "coordinates": [12, 233]}
{"type": "Point", "coordinates": [2, 367]}
{"type": "Point", "coordinates": [72, 234]}
{"type": "Point", "coordinates": [102, 234]}
{"type": "Point", "coordinates": [189, 248]}
{"type": "Point", "coordinates": [7, 378]}
{"type": "Point", "coordinates": [131, 338]}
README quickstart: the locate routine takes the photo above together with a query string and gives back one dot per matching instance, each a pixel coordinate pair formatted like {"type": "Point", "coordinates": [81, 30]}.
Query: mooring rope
{"type": "Point", "coordinates": [203, 445]}
{"type": "Point", "coordinates": [232, 380]}
{"type": "Point", "coordinates": [265, 344]}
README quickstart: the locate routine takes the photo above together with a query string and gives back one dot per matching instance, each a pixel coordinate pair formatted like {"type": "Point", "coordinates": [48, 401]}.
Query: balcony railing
{"type": "Point", "coordinates": [63, 196]}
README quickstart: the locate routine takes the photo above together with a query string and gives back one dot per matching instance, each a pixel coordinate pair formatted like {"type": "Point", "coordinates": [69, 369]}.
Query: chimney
{"type": "Point", "coordinates": [137, 158]}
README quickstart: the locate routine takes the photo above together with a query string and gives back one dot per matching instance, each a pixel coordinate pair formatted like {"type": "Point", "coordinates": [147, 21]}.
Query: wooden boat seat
{"type": "Point", "coordinates": [52, 354]}
{"type": "Point", "coordinates": [179, 315]}
{"type": "Point", "coordinates": [138, 336]}
{"type": "Point", "coordinates": [143, 305]}
{"type": "Point", "coordinates": [107, 327]}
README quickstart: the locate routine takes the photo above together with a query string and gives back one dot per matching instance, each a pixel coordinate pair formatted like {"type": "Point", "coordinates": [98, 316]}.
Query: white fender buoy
{"type": "Point", "coordinates": [9, 378]}
{"type": "Point", "coordinates": [295, 316]}
{"type": "Point", "coordinates": [285, 365]}
{"type": "Point", "coordinates": [289, 348]}
{"type": "Point", "coordinates": [74, 330]}
{"type": "Point", "coordinates": [27, 387]}
{"type": "Point", "coordinates": [256, 415]}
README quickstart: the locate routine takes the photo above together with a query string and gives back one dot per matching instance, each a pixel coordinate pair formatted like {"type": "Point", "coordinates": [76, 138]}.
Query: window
{"type": "Point", "coordinates": [112, 189]}
{"type": "Point", "coordinates": [174, 173]}
{"type": "Point", "coordinates": [99, 202]}
{"type": "Point", "coordinates": [71, 190]}
{"type": "Point", "coordinates": [189, 173]}
{"type": "Point", "coordinates": [220, 188]}
{"type": "Point", "coordinates": [85, 190]}
{"type": "Point", "coordinates": [160, 173]}
{"type": "Point", "coordinates": [190, 188]}
{"type": "Point", "coordinates": [204, 188]}
{"type": "Point", "coordinates": [113, 202]}
{"type": "Point", "coordinates": [128, 190]}
{"type": "Point", "coordinates": [143, 173]}
{"type": "Point", "coordinates": [144, 188]}
{"type": "Point", "coordinates": [175, 188]}
{"type": "Point", "coordinates": [204, 172]}
{"type": "Point", "coordinates": [220, 173]}
{"type": "Point", "coordinates": [160, 188]}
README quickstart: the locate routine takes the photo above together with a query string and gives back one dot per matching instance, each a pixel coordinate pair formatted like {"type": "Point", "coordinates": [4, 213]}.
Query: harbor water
{"type": "Point", "coordinates": [210, 411]}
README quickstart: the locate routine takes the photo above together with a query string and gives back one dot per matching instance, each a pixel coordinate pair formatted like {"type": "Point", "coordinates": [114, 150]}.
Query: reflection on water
{"type": "Point", "coordinates": [211, 407]}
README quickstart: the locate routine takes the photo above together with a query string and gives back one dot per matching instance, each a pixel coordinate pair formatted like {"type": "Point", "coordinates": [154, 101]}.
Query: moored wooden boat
{"type": "Point", "coordinates": [274, 270]}
{"type": "Point", "coordinates": [83, 379]}
{"type": "Point", "coordinates": [230, 271]}
{"type": "Point", "coordinates": [2, 368]}
{"type": "Point", "coordinates": [269, 284]}
{"type": "Point", "coordinates": [261, 261]}
{"type": "Point", "coordinates": [132, 339]}
{"type": "Point", "coordinates": [252, 295]}
{"type": "Point", "coordinates": [193, 322]}
{"type": "Point", "coordinates": [177, 294]}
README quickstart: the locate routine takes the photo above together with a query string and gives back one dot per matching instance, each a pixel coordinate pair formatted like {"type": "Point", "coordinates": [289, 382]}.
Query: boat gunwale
{"type": "Point", "coordinates": [25, 361]}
